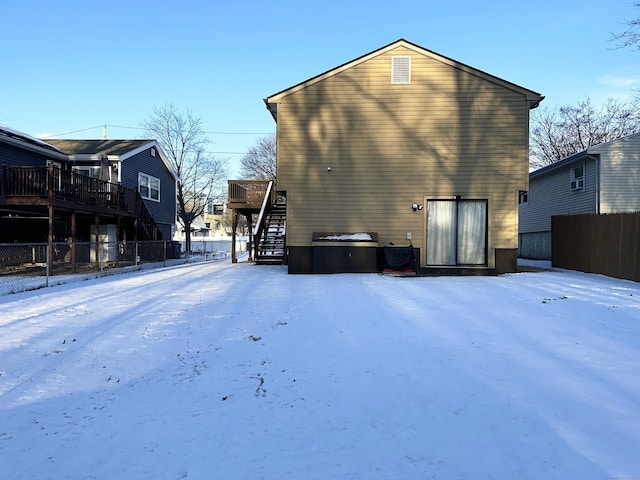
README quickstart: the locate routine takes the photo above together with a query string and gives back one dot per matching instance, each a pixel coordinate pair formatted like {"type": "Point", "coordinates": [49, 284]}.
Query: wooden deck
{"type": "Point", "coordinates": [32, 189]}
{"type": "Point", "coordinates": [249, 198]}
{"type": "Point", "coordinates": [247, 195]}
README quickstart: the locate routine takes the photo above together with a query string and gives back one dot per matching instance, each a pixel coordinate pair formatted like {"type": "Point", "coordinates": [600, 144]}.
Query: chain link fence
{"type": "Point", "coordinates": [29, 266]}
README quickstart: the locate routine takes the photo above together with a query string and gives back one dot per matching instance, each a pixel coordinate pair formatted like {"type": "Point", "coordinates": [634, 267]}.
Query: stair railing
{"type": "Point", "coordinates": [262, 216]}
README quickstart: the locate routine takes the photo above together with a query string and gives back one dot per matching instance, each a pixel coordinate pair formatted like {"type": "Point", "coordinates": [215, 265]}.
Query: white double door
{"type": "Point", "coordinates": [457, 232]}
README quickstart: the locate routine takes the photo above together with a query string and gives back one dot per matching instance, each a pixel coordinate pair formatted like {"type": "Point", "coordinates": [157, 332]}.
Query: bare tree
{"type": "Point", "coordinates": [631, 36]}
{"type": "Point", "coordinates": [259, 163]}
{"type": "Point", "coordinates": [559, 132]}
{"type": "Point", "coordinates": [226, 222]}
{"type": "Point", "coordinates": [201, 175]}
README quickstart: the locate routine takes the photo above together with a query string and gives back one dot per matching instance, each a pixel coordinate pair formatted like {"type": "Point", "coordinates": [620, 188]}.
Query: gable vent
{"type": "Point", "coordinates": [401, 70]}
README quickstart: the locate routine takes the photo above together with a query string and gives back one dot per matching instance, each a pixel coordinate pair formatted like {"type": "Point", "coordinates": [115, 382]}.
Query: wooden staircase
{"type": "Point", "coordinates": [271, 244]}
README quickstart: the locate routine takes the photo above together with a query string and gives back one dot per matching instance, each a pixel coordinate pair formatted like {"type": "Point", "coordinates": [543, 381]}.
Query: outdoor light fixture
{"type": "Point", "coordinates": [415, 207]}
{"type": "Point", "coordinates": [328, 169]}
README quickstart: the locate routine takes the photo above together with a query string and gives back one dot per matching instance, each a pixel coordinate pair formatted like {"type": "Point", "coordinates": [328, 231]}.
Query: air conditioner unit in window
{"type": "Point", "coordinates": [577, 184]}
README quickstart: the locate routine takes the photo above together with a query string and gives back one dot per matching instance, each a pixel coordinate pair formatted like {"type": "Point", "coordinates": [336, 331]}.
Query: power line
{"type": "Point", "coordinates": [75, 131]}
{"type": "Point", "coordinates": [240, 133]}
{"type": "Point", "coordinates": [121, 126]}
{"type": "Point", "coordinates": [141, 128]}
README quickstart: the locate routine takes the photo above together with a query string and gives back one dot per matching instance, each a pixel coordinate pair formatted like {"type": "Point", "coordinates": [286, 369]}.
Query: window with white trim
{"type": "Point", "coordinates": [577, 178]}
{"type": "Point", "coordinates": [149, 187]}
{"type": "Point", "coordinates": [88, 171]}
{"type": "Point", "coordinates": [400, 70]}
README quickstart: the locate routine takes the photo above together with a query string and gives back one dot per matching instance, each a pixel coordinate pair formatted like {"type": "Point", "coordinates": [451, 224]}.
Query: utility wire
{"type": "Point", "coordinates": [141, 128]}
{"type": "Point", "coordinates": [75, 131]}
{"type": "Point", "coordinates": [240, 133]}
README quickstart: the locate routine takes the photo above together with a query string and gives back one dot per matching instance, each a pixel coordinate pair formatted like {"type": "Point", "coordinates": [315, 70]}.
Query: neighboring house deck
{"type": "Point", "coordinates": [32, 192]}
{"type": "Point", "coordinates": [604, 178]}
{"type": "Point", "coordinates": [136, 164]}
{"type": "Point", "coordinates": [64, 190]}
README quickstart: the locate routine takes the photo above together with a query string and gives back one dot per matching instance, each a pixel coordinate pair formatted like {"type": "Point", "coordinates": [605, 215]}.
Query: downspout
{"type": "Point", "coordinates": [596, 158]}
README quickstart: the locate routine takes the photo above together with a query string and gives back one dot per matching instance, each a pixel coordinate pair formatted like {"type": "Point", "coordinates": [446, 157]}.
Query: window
{"type": "Point", "coordinates": [401, 70]}
{"type": "Point", "coordinates": [214, 208]}
{"type": "Point", "coordinates": [523, 198]}
{"type": "Point", "coordinates": [149, 187]}
{"type": "Point", "coordinates": [577, 178]}
{"type": "Point", "coordinates": [92, 172]}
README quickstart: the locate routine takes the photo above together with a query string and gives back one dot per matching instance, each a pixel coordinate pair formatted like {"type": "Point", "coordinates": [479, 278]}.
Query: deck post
{"type": "Point", "coordinates": [250, 246]}
{"type": "Point", "coordinates": [5, 181]}
{"type": "Point", "coordinates": [73, 241]}
{"type": "Point", "coordinates": [49, 267]}
{"type": "Point", "coordinates": [234, 225]}
{"type": "Point", "coordinates": [97, 234]}
{"type": "Point", "coordinates": [118, 241]}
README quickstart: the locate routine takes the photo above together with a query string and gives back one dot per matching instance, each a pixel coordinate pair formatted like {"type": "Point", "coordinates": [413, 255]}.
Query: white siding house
{"type": "Point", "coordinates": [601, 179]}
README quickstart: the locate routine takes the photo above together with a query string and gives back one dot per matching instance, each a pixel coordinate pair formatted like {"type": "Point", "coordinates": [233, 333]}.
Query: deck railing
{"type": "Point", "coordinates": [247, 193]}
{"type": "Point", "coordinates": [54, 183]}
{"type": "Point", "coordinates": [60, 184]}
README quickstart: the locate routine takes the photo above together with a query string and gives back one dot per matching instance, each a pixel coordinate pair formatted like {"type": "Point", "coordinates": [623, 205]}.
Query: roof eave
{"type": "Point", "coordinates": [163, 157]}
{"type": "Point", "coordinates": [273, 108]}
{"type": "Point", "coordinates": [34, 148]}
{"type": "Point", "coordinates": [576, 157]}
{"type": "Point", "coordinates": [535, 103]}
{"type": "Point", "coordinates": [534, 98]}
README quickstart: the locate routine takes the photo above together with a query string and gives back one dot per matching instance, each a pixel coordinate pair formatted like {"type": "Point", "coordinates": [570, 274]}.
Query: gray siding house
{"type": "Point", "coordinates": [601, 179]}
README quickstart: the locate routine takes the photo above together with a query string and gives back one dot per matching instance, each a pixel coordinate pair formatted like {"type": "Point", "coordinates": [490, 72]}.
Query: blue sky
{"type": "Point", "coordinates": [75, 66]}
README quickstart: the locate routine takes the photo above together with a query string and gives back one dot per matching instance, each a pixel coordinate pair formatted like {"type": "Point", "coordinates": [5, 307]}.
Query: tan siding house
{"type": "Point", "coordinates": [360, 146]}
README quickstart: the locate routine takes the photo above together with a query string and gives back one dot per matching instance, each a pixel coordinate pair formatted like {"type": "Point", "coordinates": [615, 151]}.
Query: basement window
{"type": "Point", "coordinates": [401, 70]}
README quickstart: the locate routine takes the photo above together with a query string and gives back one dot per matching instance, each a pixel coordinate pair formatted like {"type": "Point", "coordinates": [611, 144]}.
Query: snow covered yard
{"type": "Point", "coordinates": [211, 371]}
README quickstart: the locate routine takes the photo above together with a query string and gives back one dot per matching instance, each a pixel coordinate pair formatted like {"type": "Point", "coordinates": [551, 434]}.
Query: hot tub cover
{"type": "Point", "coordinates": [399, 257]}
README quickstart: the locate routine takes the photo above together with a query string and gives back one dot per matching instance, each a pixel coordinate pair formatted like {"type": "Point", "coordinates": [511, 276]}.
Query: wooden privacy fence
{"type": "Point", "coordinates": [597, 243]}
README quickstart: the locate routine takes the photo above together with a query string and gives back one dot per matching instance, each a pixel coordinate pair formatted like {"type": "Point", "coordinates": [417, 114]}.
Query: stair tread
{"type": "Point", "coordinates": [271, 245]}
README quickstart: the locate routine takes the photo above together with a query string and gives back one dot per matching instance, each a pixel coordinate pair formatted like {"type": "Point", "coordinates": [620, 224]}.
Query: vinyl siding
{"type": "Point", "coordinates": [19, 157]}
{"type": "Point", "coordinates": [620, 175]}
{"type": "Point", "coordinates": [447, 133]}
{"type": "Point", "coordinates": [551, 194]}
{"type": "Point", "coordinates": [164, 211]}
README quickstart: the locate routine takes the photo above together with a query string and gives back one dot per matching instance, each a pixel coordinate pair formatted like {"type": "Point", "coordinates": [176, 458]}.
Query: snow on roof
{"type": "Point", "coordinates": [11, 132]}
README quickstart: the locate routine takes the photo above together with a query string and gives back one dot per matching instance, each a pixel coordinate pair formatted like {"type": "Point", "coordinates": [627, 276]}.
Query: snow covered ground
{"type": "Point", "coordinates": [221, 371]}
